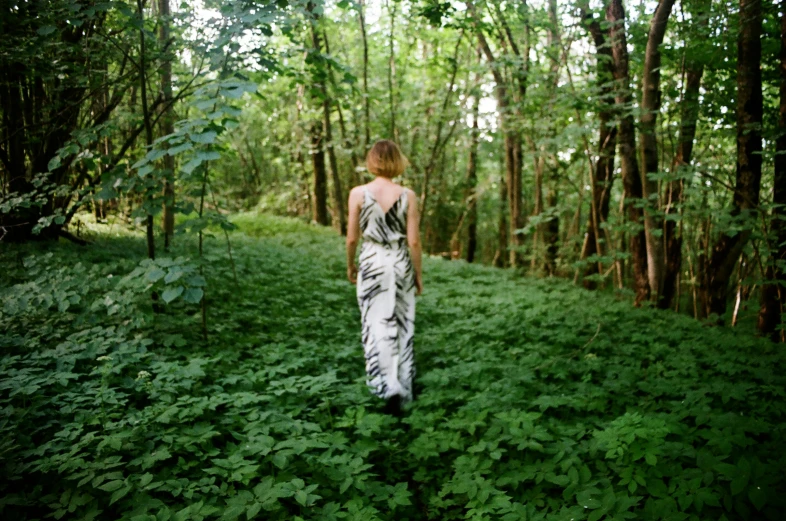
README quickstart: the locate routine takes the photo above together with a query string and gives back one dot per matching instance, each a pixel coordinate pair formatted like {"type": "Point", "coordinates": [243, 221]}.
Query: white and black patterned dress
{"type": "Point", "coordinates": [386, 296]}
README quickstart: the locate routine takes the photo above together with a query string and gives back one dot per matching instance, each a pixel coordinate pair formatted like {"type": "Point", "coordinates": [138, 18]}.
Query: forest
{"type": "Point", "coordinates": [602, 187]}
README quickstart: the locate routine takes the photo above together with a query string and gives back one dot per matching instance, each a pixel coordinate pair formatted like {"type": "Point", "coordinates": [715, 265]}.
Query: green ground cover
{"type": "Point", "coordinates": [538, 400]}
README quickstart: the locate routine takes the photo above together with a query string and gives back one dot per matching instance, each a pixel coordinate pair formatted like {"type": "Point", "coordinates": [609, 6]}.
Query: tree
{"type": "Point", "coordinates": [167, 123]}
{"type": "Point", "coordinates": [631, 178]}
{"type": "Point", "coordinates": [674, 193]}
{"type": "Point", "coordinates": [650, 106]}
{"type": "Point", "coordinates": [773, 297]}
{"type": "Point", "coordinates": [602, 170]}
{"type": "Point", "coordinates": [727, 249]}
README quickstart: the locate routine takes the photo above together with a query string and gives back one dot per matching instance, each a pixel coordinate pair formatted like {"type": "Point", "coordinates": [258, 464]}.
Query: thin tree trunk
{"type": "Point", "coordinates": [501, 255]}
{"type": "Point", "coordinates": [320, 176]}
{"type": "Point", "coordinates": [550, 231]}
{"type": "Point", "coordinates": [726, 251]}
{"type": "Point", "coordinates": [650, 106]}
{"type": "Point", "coordinates": [773, 294]}
{"type": "Point", "coordinates": [320, 214]}
{"type": "Point", "coordinates": [539, 165]}
{"type": "Point", "coordinates": [472, 175]}
{"type": "Point", "coordinates": [321, 80]}
{"type": "Point", "coordinates": [366, 109]}
{"type": "Point", "coordinates": [512, 137]}
{"type": "Point", "coordinates": [151, 244]}
{"type": "Point", "coordinates": [167, 126]}
{"type": "Point", "coordinates": [353, 177]}
{"type": "Point", "coordinates": [602, 173]}
{"type": "Point", "coordinates": [392, 72]}
{"type": "Point", "coordinates": [682, 159]}
{"type": "Point", "coordinates": [631, 179]}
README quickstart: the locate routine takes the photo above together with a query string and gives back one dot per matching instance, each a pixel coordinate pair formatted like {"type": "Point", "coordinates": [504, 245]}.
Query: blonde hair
{"type": "Point", "coordinates": [386, 160]}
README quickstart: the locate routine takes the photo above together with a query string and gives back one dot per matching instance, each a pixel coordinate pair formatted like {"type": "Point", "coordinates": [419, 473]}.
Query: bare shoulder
{"type": "Point", "coordinates": [356, 191]}
{"type": "Point", "coordinates": [412, 197]}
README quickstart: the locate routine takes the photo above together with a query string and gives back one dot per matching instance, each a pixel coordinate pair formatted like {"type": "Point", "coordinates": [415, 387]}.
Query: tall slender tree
{"type": "Point", "coordinates": [602, 170]}
{"type": "Point", "coordinates": [727, 249]}
{"type": "Point", "coordinates": [773, 298]}
{"type": "Point", "coordinates": [631, 178]}
{"type": "Point", "coordinates": [650, 106]}
{"type": "Point", "coordinates": [674, 192]}
{"type": "Point", "coordinates": [167, 121]}
{"type": "Point", "coordinates": [366, 109]}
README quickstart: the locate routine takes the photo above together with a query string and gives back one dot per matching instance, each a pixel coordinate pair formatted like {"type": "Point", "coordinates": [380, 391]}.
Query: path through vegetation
{"type": "Point", "coordinates": [538, 400]}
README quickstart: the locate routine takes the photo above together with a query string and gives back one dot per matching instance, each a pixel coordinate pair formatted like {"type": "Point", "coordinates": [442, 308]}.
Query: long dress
{"type": "Point", "coordinates": [386, 296]}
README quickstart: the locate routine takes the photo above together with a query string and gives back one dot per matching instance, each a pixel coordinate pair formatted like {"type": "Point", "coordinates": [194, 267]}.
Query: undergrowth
{"type": "Point", "coordinates": [538, 400]}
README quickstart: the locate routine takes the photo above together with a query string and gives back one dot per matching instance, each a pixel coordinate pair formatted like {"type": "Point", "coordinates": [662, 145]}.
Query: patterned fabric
{"type": "Point", "coordinates": [386, 296]}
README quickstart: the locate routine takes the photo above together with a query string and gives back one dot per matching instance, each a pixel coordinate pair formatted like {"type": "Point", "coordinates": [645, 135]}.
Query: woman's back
{"type": "Point", "coordinates": [383, 214]}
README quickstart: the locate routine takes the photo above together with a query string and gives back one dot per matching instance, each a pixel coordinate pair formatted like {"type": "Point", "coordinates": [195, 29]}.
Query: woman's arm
{"type": "Point", "coordinates": [413, 238]}
{"type": "Point", "coordinates": [353, 232]}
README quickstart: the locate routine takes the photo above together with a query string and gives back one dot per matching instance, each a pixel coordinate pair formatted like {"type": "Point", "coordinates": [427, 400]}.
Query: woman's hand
{"type": "Point", "coordinates": [352, 273]}
{"type": "Point", "coordinates": [419, 285]}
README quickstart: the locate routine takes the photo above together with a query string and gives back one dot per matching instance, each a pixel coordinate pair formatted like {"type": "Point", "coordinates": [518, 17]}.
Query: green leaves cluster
{"type": "Point", "coordinates": [534, 401]}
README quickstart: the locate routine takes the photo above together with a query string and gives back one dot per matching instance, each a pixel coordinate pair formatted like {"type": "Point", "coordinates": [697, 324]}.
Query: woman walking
{"type": "Point", "coordinates": [389, 274]}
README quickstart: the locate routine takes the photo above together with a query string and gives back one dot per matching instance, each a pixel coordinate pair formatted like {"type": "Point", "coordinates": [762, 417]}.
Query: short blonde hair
{"type": "Point", "coordinates": [386, 160]}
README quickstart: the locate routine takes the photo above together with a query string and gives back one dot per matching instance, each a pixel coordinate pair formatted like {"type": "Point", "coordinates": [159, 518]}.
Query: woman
{"type": "Point", "coordinates": [389, 275]}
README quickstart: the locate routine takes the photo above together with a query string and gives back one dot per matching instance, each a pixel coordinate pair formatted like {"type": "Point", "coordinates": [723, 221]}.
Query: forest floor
{"type": "Point", "coordinates": [538, 399]}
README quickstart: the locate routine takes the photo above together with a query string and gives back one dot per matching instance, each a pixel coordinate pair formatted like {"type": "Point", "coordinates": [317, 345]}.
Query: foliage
{"type": "Point", "coordinates": [537, 400]}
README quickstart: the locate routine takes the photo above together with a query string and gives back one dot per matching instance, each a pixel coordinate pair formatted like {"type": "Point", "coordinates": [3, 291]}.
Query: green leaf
{"type": "Point", "coordinates": [209, 155]}
{"type": "Point", "coordinates": [155, 275]}
{"type": "Point", "coordinates": [191, 165]}
{"type": "Point", "coordinates": [155, 154]}
{"type": "Point", "coordinates": [119, 494]}
{"type": "Point", "coordinates": [172, 293]}
{"type": "Point", "coordinates": [47, 29]}
{"type": "Point", "coordinates": [112, 485]}
{"type": "Point", "coordinates": [205, 138]}
{"type": "Point", "coordinates": [301, 497]}
{"type": "Point", "coordinates": [651, 459]}
{"type": "Point", "coordinates": [233, 512]}
{"type": "Point", "coordinates": [54, 163]}
{"type": "Point", "coordinates": [180, 148]}
{"type": "Point", "coordinates": [193, 295]}
{"type": "Point", "coordinates": [145, 479]}
{"type": "Point", "coordinates": [253, 510]}
{"type": "Point", "coordinates": [758, 497]}
{"type": "Point", "coordinates": [173, 275]}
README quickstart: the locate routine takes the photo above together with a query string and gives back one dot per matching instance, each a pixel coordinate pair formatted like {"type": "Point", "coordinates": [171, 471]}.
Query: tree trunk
{"type": "Point", "coordinates": [552, 234]}
{"type": "Point", "coordinates": [167, 126]}
{"type": "Point", "coordinates": [550, 230]}
{"type": "Point", "coordinates": [540, 164]}
{"type": "Point", "coordinates": [392, 72]}
{"type": "Point", "coordinates": [501, 255]}
{"type": "Point", "coordinates": [513, 163]}
{"type": "Point", "coordinates": [726, 251]}
{"type": "Point", "coordinates": [602, 172]}
{"type": "Point", "coordinates": [151, 245]}
{"type": "Point", "coordinates": [320, 79]}
{"type": "Point", "coordinates": [631, 179]}
{"type": "Point", "coordinates": [650, 106]}
{"type": "Point", "coordinates": [348, 144]}
{"type": "Point", "coordinates": [674, 190]}
{"type": "Point", "coordinates": [366, 109]}
{"type": "Point", "coordinates": [472, 175]}
{"type": "Point", "coordinates": [773, 294]}
{"type": "Point", "coordinates": [338, 194]}
{"type": "Point", "coordinates": [320, 214]}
